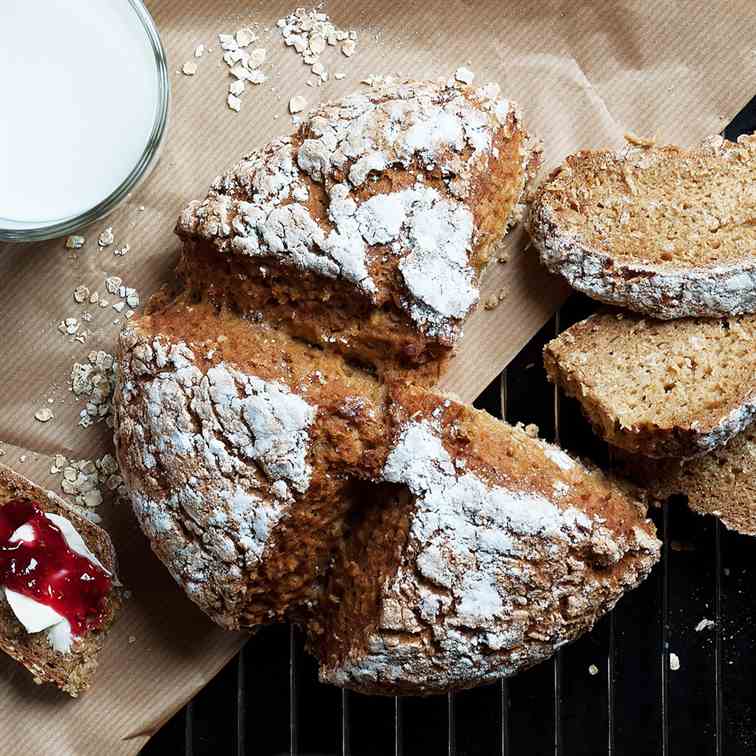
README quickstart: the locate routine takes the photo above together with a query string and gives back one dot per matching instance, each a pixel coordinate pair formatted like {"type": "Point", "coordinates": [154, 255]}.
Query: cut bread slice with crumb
{"type": "Point", "coordinates": [721, 483]}
{"type": "Point", "coordinates": [664, 231]}
{"type": "Point", "coordinates": [491, 551]}
{"type": "Point", "coordinates": [659, 388]}
{"type": "Point", "coordinates": [72, 670]}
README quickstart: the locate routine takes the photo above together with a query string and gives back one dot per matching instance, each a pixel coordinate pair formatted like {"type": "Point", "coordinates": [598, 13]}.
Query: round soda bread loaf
{"type": "Point", "coordinates": [274, 462]}
{"type": "Point", "coordinates": [367, 230]}
{"type": "Point", "coordinates": [675, 388]}
{"type": "Point", "coordinates": [73, 670]}
{"type": "Point", "coordinates": [667, 232]}
{"type": "Point", "coordinates": [235, 442]}
{"type": "Point", "coordinates": [492, 551]}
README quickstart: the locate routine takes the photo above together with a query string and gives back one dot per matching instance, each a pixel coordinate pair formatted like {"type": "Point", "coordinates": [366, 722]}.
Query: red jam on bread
{"type": "Point", "coordinates": [38, 563]}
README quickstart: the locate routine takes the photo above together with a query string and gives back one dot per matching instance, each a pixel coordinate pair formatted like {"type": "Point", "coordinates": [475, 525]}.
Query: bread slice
{"type": "Point", "coordinates": [721, 483]}
{"type": "Point", "coordinates": [664, 231]}
{"type": "Point", "coordinates": [659, 388]}
{"type": "Point", "coordinates": [367, 230]}
{"type": "Point", "coordinates": [236, 442]}
{"type": "Point", "coordinates": [492, 551]}
{"type": "Point", "coordinates": [73, 671]}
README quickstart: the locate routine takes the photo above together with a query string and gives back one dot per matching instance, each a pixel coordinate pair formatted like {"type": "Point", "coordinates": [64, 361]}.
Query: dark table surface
{"type": "Point", "coordinates": [268, 700]}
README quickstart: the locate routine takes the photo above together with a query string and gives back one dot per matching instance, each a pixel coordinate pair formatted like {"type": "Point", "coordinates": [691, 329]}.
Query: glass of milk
{"type": "Point", "coordinates": [84, 110]}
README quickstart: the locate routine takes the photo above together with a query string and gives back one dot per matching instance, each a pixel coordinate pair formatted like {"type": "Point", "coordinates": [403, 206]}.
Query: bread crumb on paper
{"type": "Point", "coordinates": [189, 68]}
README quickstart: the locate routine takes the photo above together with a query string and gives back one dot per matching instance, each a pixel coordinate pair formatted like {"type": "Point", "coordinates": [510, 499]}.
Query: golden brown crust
{"type": "Point", "coordinates": [236, 442]}
{"type": "Point", "coordinates": [505, 549]}
{"type": "Point", "coordinates": [366, 232]}
{"type": "Point", "coordinates": [72, 672]}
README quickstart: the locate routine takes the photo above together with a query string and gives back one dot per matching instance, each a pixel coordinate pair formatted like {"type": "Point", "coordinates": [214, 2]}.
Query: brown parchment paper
{"type": "Point", "coordinates": [583, 72]}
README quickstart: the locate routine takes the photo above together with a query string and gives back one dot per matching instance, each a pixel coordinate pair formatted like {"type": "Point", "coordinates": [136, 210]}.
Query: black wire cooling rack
{"type": "Point", "coordinates": [611, 692]}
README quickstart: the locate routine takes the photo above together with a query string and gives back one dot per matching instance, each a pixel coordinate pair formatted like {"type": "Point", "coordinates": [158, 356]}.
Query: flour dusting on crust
{"type": "Point", "coordinates": [493, 578]}
{"type": "Point", "coordinates": [215, 457]}
{"type": "Point", "coordinates": [440, 136]}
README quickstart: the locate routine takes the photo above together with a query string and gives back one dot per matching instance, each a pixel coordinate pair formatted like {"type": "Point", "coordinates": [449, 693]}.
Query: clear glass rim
{"type": "Point", "coordinates": [139, 171]}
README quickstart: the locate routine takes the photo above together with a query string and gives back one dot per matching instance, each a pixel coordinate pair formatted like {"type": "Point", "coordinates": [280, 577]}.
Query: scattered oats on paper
{"type": "Point", "coordinates": [85, 480]}
{"type": "Point", "coordinates": [105, 239]}
{"type": "Point", "coordinates": [95, 381]}
{"type": "Point", "coordinates": [75, 242]}
{"type": "Point", "coordinates": [81, 294]}
{"type": "Point", "coordinates": [464, 75]}
{"type": "Point", "coordinates": [243, 64]}
{"type": "Point", "coordinates": [310, 32]}
{"type": "Point", "coordinates": [297, 104]}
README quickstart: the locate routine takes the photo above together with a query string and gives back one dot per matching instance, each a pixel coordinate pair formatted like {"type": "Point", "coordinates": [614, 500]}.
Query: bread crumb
{"type": "Point", "coordinates": [349, 47]}
{"type": "Point", "coordinates": [199, 51]}
{"type": "Point", "coordinates": [44, 415]}
{"type": "Point", "coordinates": [491, 303]}
{"type": "Point", "coordinates": [189, 68]}
{"type": "Point", "coordinates": [503, 258]}
{"type": "Point", "coordinates": [234, 103]}
{"type": "Point", "coordinates": [705, 624]}
{"type": "Point", "coordinates": [132, 640]}
{"type": "Point", "coordinates": [674, 662]}
{"type": "Point", "coordinates": [593, 669]}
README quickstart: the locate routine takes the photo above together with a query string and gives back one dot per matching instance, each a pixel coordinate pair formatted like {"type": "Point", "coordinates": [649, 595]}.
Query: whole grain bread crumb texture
{"type": "Point", "coordinates": [659, 388]}
{"type": "Point", "coordinates": [72, 672]}
{"type": "Point", "coordinates": [367, 230]}
{"type": "Point", "coordinates": [664, 231]}
{"type": "Point", "coordinates": [721, 483]}
{"type": "Point", "coordinates": [506, 550]}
